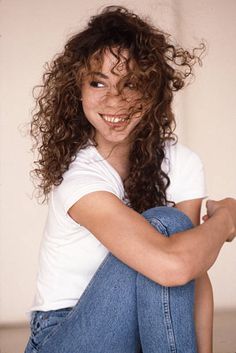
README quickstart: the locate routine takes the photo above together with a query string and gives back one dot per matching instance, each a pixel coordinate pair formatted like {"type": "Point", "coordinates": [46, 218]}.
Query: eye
{"type": "Point", "coordinates": [130, 85]}
{"type": "Point", "coordinates": [97, 84]}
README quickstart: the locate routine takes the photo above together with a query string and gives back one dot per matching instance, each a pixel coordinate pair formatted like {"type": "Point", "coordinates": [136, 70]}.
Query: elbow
{"type": "Point", "coordinates": [185, 276]}
{"type": "Point", "coordinates": [186, 271]}
{"type": "Point", "coordinates": [178, 272]}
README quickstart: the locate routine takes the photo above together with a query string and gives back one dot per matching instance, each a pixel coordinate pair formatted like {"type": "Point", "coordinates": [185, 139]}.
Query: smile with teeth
{"type": "Point", "coordinates": [114, 119]}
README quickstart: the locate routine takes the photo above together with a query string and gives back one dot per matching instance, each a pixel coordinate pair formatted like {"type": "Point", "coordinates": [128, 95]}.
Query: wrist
{"type": "Point", "coordinates": [226, 220]}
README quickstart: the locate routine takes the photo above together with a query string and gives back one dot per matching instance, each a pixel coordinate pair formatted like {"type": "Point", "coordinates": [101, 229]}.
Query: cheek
{"type": "Point", "coordinates": [91, 101]}
{"type": "Point", "coordinates": [89, 105]}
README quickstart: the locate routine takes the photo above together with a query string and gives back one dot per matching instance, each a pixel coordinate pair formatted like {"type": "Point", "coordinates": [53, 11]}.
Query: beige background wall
{"type": "Point", "coordinates": [31, 33]}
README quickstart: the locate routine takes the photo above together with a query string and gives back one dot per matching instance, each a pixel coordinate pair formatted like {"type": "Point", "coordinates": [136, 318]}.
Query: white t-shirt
{"type": "Point", "coordinates": [70, 254]}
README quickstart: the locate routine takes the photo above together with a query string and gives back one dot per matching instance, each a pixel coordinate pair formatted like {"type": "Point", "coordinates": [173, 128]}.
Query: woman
{"type": "Point", "coordinates": [108, 158]}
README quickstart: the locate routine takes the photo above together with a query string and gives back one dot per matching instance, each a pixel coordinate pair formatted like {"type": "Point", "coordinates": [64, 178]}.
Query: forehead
{"type": "Point", "coordinates": [117, 62]}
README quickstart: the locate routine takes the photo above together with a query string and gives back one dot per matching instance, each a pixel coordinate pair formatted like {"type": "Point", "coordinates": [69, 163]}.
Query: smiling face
{"type": "Point", "coordinates": [109, 99]}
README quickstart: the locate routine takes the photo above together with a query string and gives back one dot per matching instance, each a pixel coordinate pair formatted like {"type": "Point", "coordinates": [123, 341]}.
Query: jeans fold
{"type": "Point", "coordinates": [122, 311]}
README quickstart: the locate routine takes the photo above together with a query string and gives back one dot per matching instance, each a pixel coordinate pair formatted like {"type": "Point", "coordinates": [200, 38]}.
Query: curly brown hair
{"type": "Point", "coordinates": [60, 128]}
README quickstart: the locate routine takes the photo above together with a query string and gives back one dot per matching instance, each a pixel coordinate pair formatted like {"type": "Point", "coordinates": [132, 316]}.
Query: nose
{"type": "Point", "coordinates": [113, 96]}
{"type": "Point", "coordinates": [113, 91]}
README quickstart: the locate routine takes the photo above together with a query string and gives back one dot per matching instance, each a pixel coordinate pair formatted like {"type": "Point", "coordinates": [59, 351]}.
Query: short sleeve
{"type": "Point", "coordinates": [74, 188]}
{"type": "Point", "coordinates": [186, 173]}
{"type": "Point", "coordinates": [86, 175]}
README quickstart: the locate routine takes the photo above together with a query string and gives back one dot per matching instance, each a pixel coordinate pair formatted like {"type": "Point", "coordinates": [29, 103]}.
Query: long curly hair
{"type": "Point", "coordinates": [60, 128]}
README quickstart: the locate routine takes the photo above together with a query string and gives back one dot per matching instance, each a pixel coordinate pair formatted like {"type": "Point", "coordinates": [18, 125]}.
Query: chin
{"type": "Point", "coordinates": [116, 139]}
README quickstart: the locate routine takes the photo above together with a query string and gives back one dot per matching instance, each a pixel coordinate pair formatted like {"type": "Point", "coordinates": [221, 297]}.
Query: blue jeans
{"type": "Point", "coordinates": [122, 311]}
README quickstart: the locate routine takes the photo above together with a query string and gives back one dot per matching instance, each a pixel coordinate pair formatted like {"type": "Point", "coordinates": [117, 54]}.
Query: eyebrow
{"type": "Point", "coordinates": [97, 73]}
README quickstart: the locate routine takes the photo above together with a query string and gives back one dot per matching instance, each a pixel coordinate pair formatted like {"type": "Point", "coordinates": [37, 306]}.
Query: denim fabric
{"type": "Point", "coordinates": [122, 311]}
{"type": "Point", "coordinates": [42, 323]}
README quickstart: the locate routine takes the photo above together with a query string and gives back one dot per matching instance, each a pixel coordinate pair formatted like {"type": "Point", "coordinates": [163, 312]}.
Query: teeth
{"type": "Point", "coordinates": [113, 119]}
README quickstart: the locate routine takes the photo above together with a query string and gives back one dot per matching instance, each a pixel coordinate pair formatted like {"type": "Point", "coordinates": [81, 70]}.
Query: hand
{"type": "Point", "coordinates": [228, 205]}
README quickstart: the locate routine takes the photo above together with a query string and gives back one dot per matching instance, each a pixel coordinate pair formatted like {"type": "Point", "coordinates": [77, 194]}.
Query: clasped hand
{"type": "Point", "coordinates": [228, 205]}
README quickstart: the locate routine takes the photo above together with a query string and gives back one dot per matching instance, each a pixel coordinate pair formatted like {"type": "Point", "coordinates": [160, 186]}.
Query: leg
{"type": "Point", "coordinates": [104, 319]}
{"type": "Point", "coordinates": [166, 315]}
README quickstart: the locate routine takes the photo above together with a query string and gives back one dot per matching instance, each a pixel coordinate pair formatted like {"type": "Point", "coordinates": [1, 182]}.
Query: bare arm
{"type": "Point", "coordinates": [168, 261]}
{"type": "Point", "coordinates": [203, 290]}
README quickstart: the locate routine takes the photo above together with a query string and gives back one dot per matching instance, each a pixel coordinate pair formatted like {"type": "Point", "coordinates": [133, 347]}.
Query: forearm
{"type": "Point", "coordinates": [198, 248]}
{"type": "Point", "coordinates": [168, 261]}
{"type": "Point", "coordinates": [203, 314]}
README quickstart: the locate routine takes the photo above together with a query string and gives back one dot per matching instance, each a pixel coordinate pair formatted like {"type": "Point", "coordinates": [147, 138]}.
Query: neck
{"type": "Point", "coordinates": [117, 155]}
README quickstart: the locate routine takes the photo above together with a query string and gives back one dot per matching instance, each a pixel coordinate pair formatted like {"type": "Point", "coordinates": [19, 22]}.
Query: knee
{"type": "Point", "coordinates": [167, 220]}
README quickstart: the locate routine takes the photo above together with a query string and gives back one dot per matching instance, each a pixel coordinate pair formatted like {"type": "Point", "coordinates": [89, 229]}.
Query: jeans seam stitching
{"type": "Point", "coordinates": [167, 319]}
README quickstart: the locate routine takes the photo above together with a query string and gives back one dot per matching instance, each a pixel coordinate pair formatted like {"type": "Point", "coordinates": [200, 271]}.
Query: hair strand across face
{"type": "Point", "coordinates": [158, 69]}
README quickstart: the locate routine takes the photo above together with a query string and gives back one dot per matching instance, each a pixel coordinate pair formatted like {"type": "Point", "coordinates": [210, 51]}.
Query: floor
{"type": "Point", "coordinates": [13, 339]}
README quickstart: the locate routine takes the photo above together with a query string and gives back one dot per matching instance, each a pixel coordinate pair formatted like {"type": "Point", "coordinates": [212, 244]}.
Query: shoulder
{"type": "Point", "coordinates": [186, 172]}
{"type": "Point", "coordinates": [89, 172]}
{"type": "Point", "coordinates": [179, 157]}
{"type": "Point", "coordinates": [176, 152]}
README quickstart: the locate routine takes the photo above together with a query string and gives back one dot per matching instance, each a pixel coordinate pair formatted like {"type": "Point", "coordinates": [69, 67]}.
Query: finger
{"type": "Point", "coordinates": [205, 218]}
